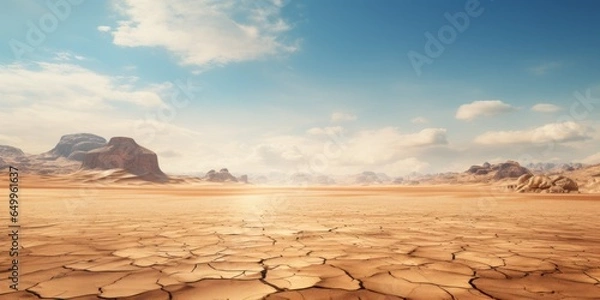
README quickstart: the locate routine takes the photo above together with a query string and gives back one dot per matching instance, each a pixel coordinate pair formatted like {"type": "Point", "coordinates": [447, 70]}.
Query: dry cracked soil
{"type": "Point", "coordinates": [233, 242]}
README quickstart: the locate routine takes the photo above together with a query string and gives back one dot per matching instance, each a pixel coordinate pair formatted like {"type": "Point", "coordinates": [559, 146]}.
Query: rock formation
{"type": "Point", "coordinates": [509, 169]}
{"type": "Point", "coordinates": [367, 177]}
{"type": "Point", "coordinates": [222, 176]}
{"type": "Point", "coordinates": [74, 146]}
{"type": "Point", "coordinates": [546, 184]}
{"type": "Point", "coordinates": [124, 153]}
{"type": "Point", "coordinates": [10, 151]}
{"type": "Point", "coordinates": [541, 168]}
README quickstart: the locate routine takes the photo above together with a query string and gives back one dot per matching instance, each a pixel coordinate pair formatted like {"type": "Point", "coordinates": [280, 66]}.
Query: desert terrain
{"type": "Point", "coordinates": [202, 241]}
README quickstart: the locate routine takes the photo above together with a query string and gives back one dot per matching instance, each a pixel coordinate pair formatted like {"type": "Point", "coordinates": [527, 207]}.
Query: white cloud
{"type": "Point", "coordinates": [103, 28]}
{"type": "Point", "coordinates": [65, 56]}
{"type": "Point", "coordinates": [325, 131]}
{"type": "Point", "coordinates": [482, 108]}
{"type": "Point", "coordinates": [384, 149]}
{"type": "Point", "coordinates": [205, 32]}
{"type": "Point", "coordinates": [545, 108]}
{"type": "Point", "coordinates": [554, 132]}
{"type": "Point", "coordinates": [544, 68]}
{"type": "Point", "coordinates": [341, 117]}
{"type": "Point", "coordinates": [419, 120]}
{"type": "Point", "coordinates": [385, 145]}
{"type": "Point", "coordinates": [65, 85]}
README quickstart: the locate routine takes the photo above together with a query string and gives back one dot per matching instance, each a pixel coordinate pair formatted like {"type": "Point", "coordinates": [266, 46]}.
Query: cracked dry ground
{"type": "Point", "coordinates": [186, 242]}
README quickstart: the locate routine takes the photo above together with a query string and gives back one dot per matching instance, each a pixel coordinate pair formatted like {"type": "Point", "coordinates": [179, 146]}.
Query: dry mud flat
{"type": "Point", "coordinates": [199, 242]}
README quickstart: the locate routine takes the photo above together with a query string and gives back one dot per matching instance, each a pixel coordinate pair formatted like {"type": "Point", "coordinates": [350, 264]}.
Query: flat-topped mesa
{"type": "Point", "coordinates": [74, 146]}
{"type": "Point", "coordinates": [124, 153]}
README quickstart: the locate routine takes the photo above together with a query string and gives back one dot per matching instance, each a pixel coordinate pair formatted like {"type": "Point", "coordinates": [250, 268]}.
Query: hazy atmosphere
{"type": "Point", "coordinates": [292, 150]}
{"type": "Point", "coordinates": [260, 86]}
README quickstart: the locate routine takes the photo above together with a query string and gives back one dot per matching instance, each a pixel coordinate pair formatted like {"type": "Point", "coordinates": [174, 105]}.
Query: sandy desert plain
{"type": "Point", "coordinates": [211, 241]}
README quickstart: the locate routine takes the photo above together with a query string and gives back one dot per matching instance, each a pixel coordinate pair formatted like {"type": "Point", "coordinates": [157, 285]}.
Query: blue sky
{"type": "Point", "coordinates": [271, 83]}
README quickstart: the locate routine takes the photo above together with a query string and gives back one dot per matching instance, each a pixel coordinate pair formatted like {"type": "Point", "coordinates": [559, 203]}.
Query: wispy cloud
{"type": "Point", "coordinates": [484, 108]}
{"type": "Point", "coordinates": [65, 56]}
{"type": "Point", "coordinates": [545, 108]}
{"type": "Point", "coordinates": [66, 85]}
{"type": "Point", "coordinates": [103, 28]}
{"type": "Point", "coordinates": [419, 120]}
{"type": "Point", "coordinates": [205, 32]}
{"type": "Point", "coordinates": [554, 132]}
{"type": "Point", "coordinates": [325, 131]}
{"type": "Point", "coordinates": [341, 117]}
{"type": "Point", "coordinates": [544, 68]}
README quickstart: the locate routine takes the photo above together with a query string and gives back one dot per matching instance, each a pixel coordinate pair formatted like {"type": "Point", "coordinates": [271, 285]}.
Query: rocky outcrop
{"type": "Point", "coordinates": [244, 178]}
{"type": "Point", "coordinates": [546, 184]}
{"type": "Point", "coordinates": [510, 169]}
{"type": "Point", "coordinates": [482, 172]}
{"type": "Point", "coordinates": [523, 179]}
{"type": "Point", "coordinates": [124, 153]}
{"type": "Point", "coordinates": [367, 177]}
{"type": "Point", "coordinates": [10, 151]}
{"type": "Point", "coordinates": [541, 168]}
{"type": "Point", "coordinates": [222, 176]}
{"type": "Point", "coordinates": [75, 146]}
{"type": "Point", "coordinates": [475, 168]}
{"type": "Point", "coordinates": [3, 164]}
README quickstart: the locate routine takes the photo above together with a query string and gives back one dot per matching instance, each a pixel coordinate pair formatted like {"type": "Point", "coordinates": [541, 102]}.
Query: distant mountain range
{"type": "Point", "coordinates": [85, 154]}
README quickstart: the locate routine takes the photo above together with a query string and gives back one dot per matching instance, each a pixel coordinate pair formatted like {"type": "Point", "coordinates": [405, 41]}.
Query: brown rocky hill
{"type": "Point", "coordinates": [74, 146]}
{"type": "Point", "coordinates": [587, 177]}
{"type": "Point", "coordinates": [507, 170]}
{"type": "Point", "coordinates": [125, 154]}
{"type": "Point", "coordinates": [10, 151]}
{"type": "Point", "coordinates": [35, 164]}
{"type": "Point", "coordinates": [546, 184]}
{"type": "Point", "coordinates": [223, 176]}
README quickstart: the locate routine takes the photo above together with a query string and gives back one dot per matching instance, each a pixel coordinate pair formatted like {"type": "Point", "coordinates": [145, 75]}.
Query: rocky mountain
{"type": "Point", "coordinates": [500, 171]}
{"type": "Point", "coordinates": [75, 146]}
{"type": "Point", "coordinates": [368, 178]}
{"type": "Point", "coordinates": [10, 151]}
{"type": "Point", "coordinates": [543, 168]}
{"type": "Point", "coordinates": [222, 176]}
{"type": "Point", "coordinates": [124, 153]}
{"type": "Point", "coordinates": [244, 179]}
{"type": "Point", "coordinates": [587, 177]}
{"type": "Point", "coordinates": [38, 164]}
